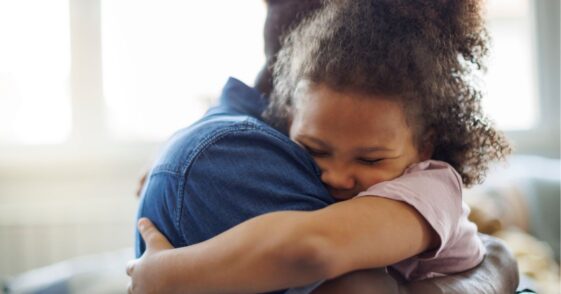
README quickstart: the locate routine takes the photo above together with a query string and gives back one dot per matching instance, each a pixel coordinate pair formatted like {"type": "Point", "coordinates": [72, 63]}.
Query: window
{"type": "Point", "coordinates": [511, 100]}
{"type": "Point", "coordinates": [160, 64]}
{"type": "Point", "coordinates": [165, 61]}
{"type": "Point", "coordinates": [34, 72]}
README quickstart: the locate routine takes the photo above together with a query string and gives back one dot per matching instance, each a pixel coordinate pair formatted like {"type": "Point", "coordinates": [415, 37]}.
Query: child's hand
{"type": "Point", "coordinates": [141, 183]}
{"type": "Point", "coordinates": [146, 276]}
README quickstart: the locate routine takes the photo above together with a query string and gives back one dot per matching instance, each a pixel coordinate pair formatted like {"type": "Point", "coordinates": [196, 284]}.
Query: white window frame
{"type": "Point", "coordinates": [90, 142]}
{"type": "Point", "coordinates": [89, 146]}
{"type": "Point", "coordinates": [543, 139]}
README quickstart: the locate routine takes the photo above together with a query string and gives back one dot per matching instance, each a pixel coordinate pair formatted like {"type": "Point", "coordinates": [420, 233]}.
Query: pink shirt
{"type": "Point", "coordinates": [434, 188]}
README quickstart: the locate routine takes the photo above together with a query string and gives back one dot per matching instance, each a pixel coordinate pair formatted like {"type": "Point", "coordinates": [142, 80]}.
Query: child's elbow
{"type": "Point", "coordinates": [311, 256]}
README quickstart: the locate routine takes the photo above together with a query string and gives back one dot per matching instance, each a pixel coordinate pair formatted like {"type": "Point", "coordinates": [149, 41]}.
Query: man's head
{"type": "Point", "coordinates": [282, 16]}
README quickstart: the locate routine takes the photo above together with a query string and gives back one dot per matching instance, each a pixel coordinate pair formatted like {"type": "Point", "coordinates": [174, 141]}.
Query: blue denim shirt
{"type": "Point", "coordinates": [226, 168]}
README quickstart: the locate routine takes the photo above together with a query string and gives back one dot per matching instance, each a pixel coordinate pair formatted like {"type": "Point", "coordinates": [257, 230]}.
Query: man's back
{"type": "Point", "coordinates": [226, 168]}
{"type": "Point", "coordinates": [230, 166]}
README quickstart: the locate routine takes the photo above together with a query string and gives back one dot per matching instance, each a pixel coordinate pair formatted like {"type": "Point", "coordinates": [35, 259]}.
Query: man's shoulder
{"type": "Point", "coordinates": [233, 131]}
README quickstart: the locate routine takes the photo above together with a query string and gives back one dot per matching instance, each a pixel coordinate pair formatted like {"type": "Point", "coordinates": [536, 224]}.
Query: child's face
{"type": "Point", "coordinates": [356, 140]}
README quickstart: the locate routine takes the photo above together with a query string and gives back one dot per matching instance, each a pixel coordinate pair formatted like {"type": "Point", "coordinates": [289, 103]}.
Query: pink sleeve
{"type": "Point", "coordinates": [434, 189]}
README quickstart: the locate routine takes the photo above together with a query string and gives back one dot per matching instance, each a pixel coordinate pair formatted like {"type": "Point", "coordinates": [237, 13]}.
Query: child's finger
{"type": "Point", "coordinates": [141, 183]}
{"type": "Point", "coordinates": [152, 237]}
{"type": "Point", "coordinates": [130, 267]}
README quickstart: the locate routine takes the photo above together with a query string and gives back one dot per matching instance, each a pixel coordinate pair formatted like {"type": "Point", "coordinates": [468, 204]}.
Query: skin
{"type": "Point", "coordinates": [497, 274]}
{"type": "Point", "coordinates": [357, 140]}
{"type": "Point", "coordinates": [483, 279]}
{"type": "Point", "coordinates": [372, 143]}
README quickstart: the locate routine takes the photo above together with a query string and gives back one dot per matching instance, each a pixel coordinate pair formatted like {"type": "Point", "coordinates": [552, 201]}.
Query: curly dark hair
{"type": "Point", "coordinates": [426, 54]}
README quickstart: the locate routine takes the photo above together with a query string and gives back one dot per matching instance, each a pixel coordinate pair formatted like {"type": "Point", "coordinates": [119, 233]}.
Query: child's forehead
{"type": "Point", "coordinates": [307, 91]}
{"type": "Point", "coordinates": [323, 109]}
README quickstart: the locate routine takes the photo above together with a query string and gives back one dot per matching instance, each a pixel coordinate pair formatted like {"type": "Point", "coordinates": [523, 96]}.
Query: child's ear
{"type": "Point", "coordinates": [289, 118]}
{"type": "Point", "coordinates": [427, 146]}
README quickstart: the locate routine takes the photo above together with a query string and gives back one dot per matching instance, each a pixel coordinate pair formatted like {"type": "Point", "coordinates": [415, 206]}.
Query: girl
{"type": "Point", "coordinates": [381, 94]}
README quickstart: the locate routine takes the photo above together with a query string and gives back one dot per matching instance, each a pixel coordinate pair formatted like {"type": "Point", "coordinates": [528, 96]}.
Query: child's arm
{"type": "Point", "coordinates": [289, 249]}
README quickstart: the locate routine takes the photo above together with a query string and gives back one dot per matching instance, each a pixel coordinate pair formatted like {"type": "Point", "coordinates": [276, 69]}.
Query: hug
{"type": "Point", "coordinates": [342, 170]}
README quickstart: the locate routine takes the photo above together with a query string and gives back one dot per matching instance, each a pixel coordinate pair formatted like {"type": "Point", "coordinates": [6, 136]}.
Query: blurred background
{"type": "Point", "coordinates": [89, 90]}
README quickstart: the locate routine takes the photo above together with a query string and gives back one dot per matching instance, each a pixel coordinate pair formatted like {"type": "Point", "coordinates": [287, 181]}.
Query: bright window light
{"type": "Point", "coordinates": [165, 61]}
{"type": "Point", "coordinates": [512, 100]}
{"type": "Point", "coordinates": [34, 71]}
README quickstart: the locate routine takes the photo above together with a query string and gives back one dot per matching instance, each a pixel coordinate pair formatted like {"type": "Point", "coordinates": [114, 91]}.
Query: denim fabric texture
{"type": "Point", "coordinates": [226, 168]}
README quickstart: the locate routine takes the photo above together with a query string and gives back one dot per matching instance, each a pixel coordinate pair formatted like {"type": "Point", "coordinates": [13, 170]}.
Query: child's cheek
{"type": "Point", "coordinates": [379, 174]}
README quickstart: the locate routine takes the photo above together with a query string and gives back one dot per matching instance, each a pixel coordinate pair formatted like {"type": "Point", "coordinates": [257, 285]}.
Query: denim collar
{"type": "Point", "coordinates": [242, 98]}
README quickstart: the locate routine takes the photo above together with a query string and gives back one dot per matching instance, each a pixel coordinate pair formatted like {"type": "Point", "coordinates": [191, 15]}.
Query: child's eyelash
{"type": "Point", "coordinates": [315, 152]}
{"type": "Point", "coordinates": [369, 161]}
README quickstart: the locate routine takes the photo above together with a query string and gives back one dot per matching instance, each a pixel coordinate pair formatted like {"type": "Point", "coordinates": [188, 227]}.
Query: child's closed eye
{"type": "Point", "coordinates": [316, 152]}
{"type": "Point", "coordinates": [369, 161]}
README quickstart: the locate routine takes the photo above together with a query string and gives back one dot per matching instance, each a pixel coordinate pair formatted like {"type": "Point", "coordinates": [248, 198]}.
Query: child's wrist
{"type": "Point", "coordinates": [160, 270]}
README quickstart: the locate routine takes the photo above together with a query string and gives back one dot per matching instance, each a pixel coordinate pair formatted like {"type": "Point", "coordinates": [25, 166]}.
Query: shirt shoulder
{"type": "Point", "coordinates": [236, 167]}
{"type": "Point", "coordinates": [434, 189]}
{"type": "Point", "coordinates": [187, 144]}
{"type": "Point", "coordinates": [238, 113]}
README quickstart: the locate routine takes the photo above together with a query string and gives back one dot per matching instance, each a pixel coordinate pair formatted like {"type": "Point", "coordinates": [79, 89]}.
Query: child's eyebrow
{"type": "Point", "coordinates": [372, 149]}
{"type": "Point", "coordinates": [369, 149]}
{"type": "Point", "coordinates": [316, 140]}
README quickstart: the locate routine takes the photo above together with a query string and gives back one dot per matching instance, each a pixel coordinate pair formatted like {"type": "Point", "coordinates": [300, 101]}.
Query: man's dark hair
{"type": "Point", "coordinates": [425, 54]}
{"type": "Point", "coordinates": [282, 17]}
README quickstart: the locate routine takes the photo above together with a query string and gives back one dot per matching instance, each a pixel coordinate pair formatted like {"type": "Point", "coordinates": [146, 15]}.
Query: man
{"type": "Point", "coordinates": [231, 166]}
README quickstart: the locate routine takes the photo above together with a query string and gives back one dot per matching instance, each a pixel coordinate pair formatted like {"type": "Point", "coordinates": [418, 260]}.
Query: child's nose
{"type": "Point", "coordinates": [339, 180]}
